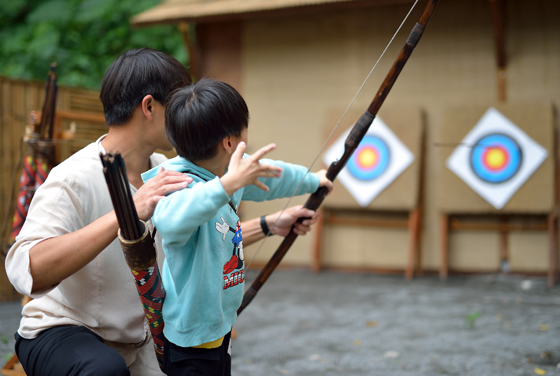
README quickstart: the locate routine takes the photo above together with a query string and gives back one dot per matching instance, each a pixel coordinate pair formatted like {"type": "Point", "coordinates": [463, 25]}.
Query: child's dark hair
{"type": "Point", "coordinates": [135, 74]}
{"type": "Point", "coordinates": [198, 117]}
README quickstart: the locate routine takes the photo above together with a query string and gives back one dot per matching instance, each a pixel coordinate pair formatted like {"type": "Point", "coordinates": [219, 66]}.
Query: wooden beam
{"type": "Point", "coordinates": [160, 16]}
{"type": "Point", "coordinates": [456, 224]}
{"type": "Point", "coordinates": [334, 219]}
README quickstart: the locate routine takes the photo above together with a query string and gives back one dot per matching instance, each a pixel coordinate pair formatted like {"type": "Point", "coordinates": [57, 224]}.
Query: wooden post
{"type": "Point", "coordinates": [504, 251]}
{"type": "Point", "coordinates": [444, 232]}
{"type": "Point", "coordinates": [553, 221]}
{"type": "Point", "coordinates": [192, 49]}
{"type": "Point", "coordinates": [419, 270]}
{"type": "Point", "coordinates": [420, 207]}
{"type": "Point", "coordinates": [318, 242]}
{"type": "Point", "coordinates": [412, 246]}
{"type": "Point", "coordinates": [498, 9]}
{"type": "Point", "coordinates": [553, 249]}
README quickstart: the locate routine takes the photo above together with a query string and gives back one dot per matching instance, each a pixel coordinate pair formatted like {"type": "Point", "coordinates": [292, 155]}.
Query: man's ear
{"type": "Point", "coordinates": [147, 106]}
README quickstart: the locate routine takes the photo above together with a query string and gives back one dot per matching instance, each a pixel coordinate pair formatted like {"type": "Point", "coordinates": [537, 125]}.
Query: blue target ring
{"type": "Point", "coordinates": [370, 160]}
{"type": "Point", "coordinates": [496, 158]}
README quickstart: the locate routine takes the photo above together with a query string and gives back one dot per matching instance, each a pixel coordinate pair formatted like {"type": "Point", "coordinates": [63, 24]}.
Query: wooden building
{"type": "Point", "coordinates": [299, 63]}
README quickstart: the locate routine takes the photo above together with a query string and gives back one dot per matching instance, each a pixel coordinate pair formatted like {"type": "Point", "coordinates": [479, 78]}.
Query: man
{"type": "Point", "coordinates": [86, 317]}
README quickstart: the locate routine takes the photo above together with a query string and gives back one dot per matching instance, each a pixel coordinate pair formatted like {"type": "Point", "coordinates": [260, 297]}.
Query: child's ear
{"type": "Point", "coordinates": [228, 144]}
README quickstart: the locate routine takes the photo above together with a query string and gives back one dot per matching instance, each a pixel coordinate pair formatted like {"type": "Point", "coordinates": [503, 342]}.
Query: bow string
{"type": "Point", "coordinates": [357, 133]}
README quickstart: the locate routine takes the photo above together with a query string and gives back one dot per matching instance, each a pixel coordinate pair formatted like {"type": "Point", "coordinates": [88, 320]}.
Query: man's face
{"type": "Point", "coordinates": [159, 121]}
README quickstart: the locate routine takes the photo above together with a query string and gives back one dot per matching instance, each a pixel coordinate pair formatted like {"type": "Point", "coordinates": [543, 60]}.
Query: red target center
{"type": "Point", "coordinates": [368, 157]}
{"type": "Point", "coordinates": [495, 158]}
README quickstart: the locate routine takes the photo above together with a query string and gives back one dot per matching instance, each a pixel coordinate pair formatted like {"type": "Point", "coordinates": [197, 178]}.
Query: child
{"type": "Point", "coordinates": [203, 273]}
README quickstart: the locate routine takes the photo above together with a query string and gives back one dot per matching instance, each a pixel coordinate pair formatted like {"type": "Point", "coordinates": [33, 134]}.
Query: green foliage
{"type": "Point", "coordinates": [470, 320]}
{"type": "Point", "coordinates": [82, 36]}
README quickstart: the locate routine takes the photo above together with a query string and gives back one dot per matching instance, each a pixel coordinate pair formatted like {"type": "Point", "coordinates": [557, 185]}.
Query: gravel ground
{"type": "Point", "coordinates": [350, 324]}
{"type": "Point", "coordinates": [356, 324]}
{"type": "Point", "coordinates": [10, 313]}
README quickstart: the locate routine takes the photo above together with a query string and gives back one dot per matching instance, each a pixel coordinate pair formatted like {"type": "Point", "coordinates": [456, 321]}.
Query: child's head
{"type": "Point", "coordinates": [135, 74]}
{"type": "Point", "coordinates": [198, 117]}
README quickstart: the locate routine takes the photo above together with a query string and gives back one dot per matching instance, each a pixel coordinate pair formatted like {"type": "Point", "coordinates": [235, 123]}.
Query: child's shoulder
{"type": "Point", "coordinates": [179, 164]}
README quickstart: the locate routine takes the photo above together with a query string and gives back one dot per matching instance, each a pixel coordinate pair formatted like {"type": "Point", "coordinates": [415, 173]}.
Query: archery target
{"type": "Point", "coordinates": [496, 158]}
{"type": "Point", "coordinates": [377, 161]}
{"type": "Point", "coordinates": [370, 160]}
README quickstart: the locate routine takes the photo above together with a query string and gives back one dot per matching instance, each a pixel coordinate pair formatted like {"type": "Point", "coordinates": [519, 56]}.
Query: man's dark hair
{"type": "Point", "coordinates": [198, 117]}
{"type": "Point", "coordinates": [135, 74]}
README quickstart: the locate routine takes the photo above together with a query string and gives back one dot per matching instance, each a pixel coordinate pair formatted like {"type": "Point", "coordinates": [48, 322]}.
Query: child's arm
{"type": "Point", "coordinates": [279, 223]}
{"type": "Point", "coordinates": [264, 174]}
{"type": "Point", "coordinates": [178, 215]}
{"type": "Point", "coordinates": [296, 180]}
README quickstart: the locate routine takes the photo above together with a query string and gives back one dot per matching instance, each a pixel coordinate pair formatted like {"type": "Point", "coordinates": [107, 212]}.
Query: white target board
{"type": "Point", "coordinates": [496, 158]}
{"type": "Point", "coordinates": [379, 159]}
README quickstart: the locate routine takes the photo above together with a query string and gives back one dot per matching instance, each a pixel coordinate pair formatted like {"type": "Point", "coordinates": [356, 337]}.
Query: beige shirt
{"type": "Point", "coordinates": [101, 296]}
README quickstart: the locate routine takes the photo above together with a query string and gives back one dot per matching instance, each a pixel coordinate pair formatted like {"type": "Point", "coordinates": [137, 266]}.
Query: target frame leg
{"type": "Point", "coordinates": [412, 243]}
{"type": "Point", "coordinates": [444, 234]}
{"type": "Point", "coordinates": [553, 249]}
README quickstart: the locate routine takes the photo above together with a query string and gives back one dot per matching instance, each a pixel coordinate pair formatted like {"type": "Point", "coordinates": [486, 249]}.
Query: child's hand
{"type": "Point", "coordinates": [245, 171]}
{"type": "Point", "coordinates": [323, 181]}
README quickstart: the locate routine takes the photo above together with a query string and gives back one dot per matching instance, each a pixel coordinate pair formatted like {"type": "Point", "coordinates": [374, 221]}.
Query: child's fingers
{"type": "Point", "coordinates": [260, 185]}
{"type": "Point", "coordinates": [262, 151]}
{"type": "Point", "coordinates": [237, 156]}
{"type": "Point", "coordinates": [329, 184]}
{"type": "Point", "coordinates": [239, 151]}
{"type": "Point", "coordinates": [269, 174]}
{"type": "Point", "coordinates": [273, 169]}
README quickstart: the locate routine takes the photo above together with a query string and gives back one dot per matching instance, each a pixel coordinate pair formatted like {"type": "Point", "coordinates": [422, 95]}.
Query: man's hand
{"type": "Point", "coordinates": [245, 171]}
{"type": "Point", "coordinates": [323, 181]}
{"type": "Point", "coordinates": [166, 182]}
{"type": "Point", "coordinates": [288, 219]}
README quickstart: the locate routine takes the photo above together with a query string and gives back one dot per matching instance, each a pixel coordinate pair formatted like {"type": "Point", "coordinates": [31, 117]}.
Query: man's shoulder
{"type": "Point", "coordinates": [82, 163]}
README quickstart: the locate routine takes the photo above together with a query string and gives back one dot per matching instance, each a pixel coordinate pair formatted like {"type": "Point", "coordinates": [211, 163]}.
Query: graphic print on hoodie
{"type": "Point", "coordinates": [233, 271]}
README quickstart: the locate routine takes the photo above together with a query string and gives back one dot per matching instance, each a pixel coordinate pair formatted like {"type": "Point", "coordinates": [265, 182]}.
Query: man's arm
{"type": "Point", "coordinates": [56, 258]}
{"type": "Point", "coordinates": [279, 223]}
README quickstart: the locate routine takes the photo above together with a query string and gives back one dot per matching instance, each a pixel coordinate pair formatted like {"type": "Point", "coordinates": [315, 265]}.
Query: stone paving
{"type": "Point", "coordinates": [362, 324]}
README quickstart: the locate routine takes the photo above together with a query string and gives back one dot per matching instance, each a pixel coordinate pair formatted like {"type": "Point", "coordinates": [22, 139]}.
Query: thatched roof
{"type": "Point", "coordinates": [172, 11]}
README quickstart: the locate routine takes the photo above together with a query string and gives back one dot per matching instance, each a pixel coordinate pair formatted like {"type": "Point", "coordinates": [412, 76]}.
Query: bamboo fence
{"type": "Point", "coordinates": [17, 100]}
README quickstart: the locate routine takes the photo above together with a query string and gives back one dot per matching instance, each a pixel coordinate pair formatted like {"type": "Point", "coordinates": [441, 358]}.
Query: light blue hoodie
{"type": "Point", "coordinates": [204, 269]}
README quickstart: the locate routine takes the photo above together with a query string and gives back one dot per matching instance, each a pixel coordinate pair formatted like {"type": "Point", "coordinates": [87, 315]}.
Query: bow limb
{"type": "Point", "coordinates": [352, 141]}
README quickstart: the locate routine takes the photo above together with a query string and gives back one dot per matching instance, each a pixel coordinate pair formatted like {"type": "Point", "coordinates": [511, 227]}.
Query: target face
{"type": "Point", "coordinates": [496, 158]}
{"type": "Point", "coordinates": [370, 160]}
{"type": "Point", "coordinates": [377, 161]}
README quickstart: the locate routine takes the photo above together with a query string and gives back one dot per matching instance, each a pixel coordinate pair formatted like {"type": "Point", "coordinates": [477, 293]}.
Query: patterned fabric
{"type": "Point", "coordinates": [152, 294]}
{"type": "Point", "coordinates": [27, 189]}
{"type": "Point", "coordinates": [34, 173]}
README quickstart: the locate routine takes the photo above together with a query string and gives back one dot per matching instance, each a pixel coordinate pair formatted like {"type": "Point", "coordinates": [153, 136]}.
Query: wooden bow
{"type": "Point", "coordinates": [354, 138]}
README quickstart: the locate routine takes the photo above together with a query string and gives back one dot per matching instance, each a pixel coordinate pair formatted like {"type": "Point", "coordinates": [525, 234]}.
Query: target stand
{"type": "Point", "coordinates": [499, 173]}
{"type": "Point", "coordinates": [381, 185]}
